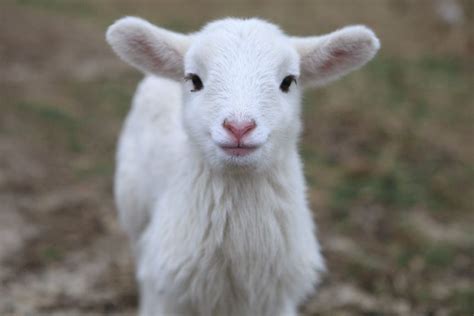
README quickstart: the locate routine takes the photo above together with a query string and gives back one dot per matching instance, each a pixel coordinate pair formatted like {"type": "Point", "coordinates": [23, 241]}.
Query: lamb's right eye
{"type": "Point", "coordinates": [197, 83]}
{"type": "Point", "coordinates": [286, 83]}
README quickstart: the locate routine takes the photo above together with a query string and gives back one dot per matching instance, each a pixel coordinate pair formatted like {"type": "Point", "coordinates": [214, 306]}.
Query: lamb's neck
{"type": "Point", "coordinates": [246, 212]}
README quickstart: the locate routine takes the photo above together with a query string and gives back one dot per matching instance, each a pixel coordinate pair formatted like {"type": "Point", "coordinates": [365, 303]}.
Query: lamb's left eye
{"type": "Point", "coordinates": [286, 83]}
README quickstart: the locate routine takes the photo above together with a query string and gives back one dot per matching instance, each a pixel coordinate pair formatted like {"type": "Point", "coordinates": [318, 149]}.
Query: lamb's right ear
{"type": "Point", "coordinates": [149, 48]}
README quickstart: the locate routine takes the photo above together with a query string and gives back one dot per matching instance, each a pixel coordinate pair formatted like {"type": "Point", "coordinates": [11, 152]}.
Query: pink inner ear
{"type": "Point", "coordinates": [142, 45]}
{"type": "Point", "coordinates": [160, 59]}
{"type": "Point", "coordinates": [337, 56]}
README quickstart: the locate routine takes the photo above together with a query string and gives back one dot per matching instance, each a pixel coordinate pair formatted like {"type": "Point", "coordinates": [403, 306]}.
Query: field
{"type": "Point", "coordinates": [388, 153]}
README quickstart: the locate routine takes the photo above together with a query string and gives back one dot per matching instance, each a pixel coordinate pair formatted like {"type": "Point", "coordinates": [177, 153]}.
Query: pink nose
{"type": "Point", "coordinates": [239, 128]}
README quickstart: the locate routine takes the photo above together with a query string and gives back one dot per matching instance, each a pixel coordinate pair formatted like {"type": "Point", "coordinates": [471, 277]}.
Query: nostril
{"type": "Point", "coordinates": [248, 127]}
{"type": "Point", "coordinates": [239, 129]}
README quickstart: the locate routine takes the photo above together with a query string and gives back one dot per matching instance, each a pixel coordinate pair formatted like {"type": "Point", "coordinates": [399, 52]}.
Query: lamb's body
{"type": "Point", "coordinates": [149, 151]}
{"type": "Point", "coordinates": [209, 183]}
{"type": "Point", "coordinates": [217, 244]}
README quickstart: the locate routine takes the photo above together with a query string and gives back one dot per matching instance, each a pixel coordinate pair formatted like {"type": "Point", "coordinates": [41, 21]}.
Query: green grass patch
{"type": "Point", "coordinates": [439, 255]}
{"type": "Point", "coordinates": [463, 300]}
{"type": "Point", "coordinates": [51, 254]}
{"type": "Point", "coordinates": [104, 98]}
{"type": "Point", "coordinates": [73, 7]}
{"type": "Point", "coordinates": [99, 169]}
{"type": "Point", "coordinates": [395, 188]}
{"type": "Point", "coordinates": [56, 119]}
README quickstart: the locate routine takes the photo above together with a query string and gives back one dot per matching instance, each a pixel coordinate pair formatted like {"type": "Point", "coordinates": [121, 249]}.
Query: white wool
{"type": "Point", "coordinates": [216, 233]}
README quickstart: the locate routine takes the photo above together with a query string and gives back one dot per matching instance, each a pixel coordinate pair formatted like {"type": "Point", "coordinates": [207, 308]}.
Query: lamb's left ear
{"type": "Point", "coordinates": [328, 57]}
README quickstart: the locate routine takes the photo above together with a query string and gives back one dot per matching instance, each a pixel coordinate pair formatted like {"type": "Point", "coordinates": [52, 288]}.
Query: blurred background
{"type": "Point", "coordinates": [388, 152]}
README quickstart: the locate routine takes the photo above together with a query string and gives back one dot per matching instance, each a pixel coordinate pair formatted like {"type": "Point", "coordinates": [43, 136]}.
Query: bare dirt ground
{"type": "Point", "coordinates": [388, 152]}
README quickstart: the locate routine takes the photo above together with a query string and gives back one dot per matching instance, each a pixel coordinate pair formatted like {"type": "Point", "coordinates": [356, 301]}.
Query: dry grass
{"type": "Point", "coordinates": [388, 153]}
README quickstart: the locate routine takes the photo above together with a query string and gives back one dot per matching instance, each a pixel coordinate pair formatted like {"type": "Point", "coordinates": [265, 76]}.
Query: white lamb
{"type": "Point", "coordinates": [209, 183]}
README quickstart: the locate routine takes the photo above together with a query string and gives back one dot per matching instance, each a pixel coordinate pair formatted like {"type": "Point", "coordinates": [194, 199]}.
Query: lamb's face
{"type": "Point", "coordinates": [242, 79]}
{"type": "Point", "coordinates": [241, 93]}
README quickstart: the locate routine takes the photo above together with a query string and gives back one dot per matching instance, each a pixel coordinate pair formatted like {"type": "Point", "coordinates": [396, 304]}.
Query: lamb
{"type": "Point", "coordinates": [209, 184]}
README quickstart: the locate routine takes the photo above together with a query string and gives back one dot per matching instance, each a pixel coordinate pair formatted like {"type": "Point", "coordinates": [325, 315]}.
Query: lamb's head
{"type": "Point", "coordinates": [242, 80]}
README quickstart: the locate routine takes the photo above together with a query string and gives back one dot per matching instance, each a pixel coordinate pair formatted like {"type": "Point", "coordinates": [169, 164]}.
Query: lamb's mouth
{"type": "Point", "coordinates": [238, 150]}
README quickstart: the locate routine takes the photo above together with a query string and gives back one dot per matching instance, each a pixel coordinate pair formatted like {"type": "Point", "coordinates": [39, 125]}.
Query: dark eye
{"type": "Point", "coordinates": [197, 83]}
{"type": "Point", "coordinates": [286, 83]}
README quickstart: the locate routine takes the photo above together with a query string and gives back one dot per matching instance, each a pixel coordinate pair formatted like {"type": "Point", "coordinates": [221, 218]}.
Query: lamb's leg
{"type": "Point", "coordinates": [289, 309]}
{"type": "Point", "coordinates": [152, 304]}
